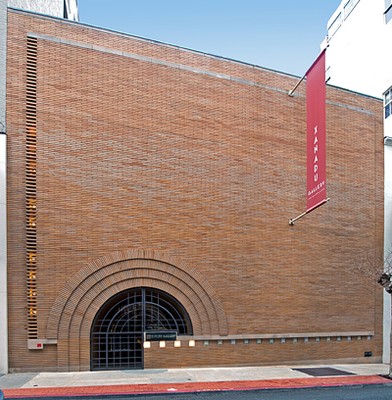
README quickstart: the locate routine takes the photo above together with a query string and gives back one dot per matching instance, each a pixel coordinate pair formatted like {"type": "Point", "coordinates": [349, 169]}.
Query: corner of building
{"type": "Point", "coordinates": [3, 196]}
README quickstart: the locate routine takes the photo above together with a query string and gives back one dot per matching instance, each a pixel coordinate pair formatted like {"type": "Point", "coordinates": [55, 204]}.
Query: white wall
{"type": "Point", "coordinates": [54, 8]}
{"type": "Point", "coordinates": [357, 50]}
{"type": "Point", "coordinates": [388, 191]}
{"type": "Point", "coordinates": [387, 243]}
{"type": "Point", "coordinates": [359, 58]}
{"type": "Point", "coordinates": [3, 205]}
{"type": "Point", "coordinates": [49, 7]}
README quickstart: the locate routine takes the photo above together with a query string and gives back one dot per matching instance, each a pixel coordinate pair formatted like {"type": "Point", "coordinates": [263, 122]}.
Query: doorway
{"type": "Point", "coordinates": [118, 329]}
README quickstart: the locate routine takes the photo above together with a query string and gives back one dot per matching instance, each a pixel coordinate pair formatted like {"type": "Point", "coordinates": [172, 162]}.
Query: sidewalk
{"type": "Point", "coordinates": [189, 380]}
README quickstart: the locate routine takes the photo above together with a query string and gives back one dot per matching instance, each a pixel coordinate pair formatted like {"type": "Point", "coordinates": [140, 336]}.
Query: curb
{"type": "Point", "coordinates": [189, 387]}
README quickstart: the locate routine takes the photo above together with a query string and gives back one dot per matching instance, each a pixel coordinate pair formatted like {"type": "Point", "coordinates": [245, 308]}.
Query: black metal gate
{"type": "Point", "coordinates": [118, 328]}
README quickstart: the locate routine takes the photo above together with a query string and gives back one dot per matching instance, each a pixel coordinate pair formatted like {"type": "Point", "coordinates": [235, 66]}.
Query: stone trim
{"type": "Point", "coordinates": [183, 67]}
{"type": "Point", "coordinates": [280, 336]}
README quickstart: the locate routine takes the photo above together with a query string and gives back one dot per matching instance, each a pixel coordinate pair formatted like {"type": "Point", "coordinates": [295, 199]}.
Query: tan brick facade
{"type": "Point", "coordinates": [166, 168]}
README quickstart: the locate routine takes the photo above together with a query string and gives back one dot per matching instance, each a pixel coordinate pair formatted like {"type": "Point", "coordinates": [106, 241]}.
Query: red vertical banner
{"type": "Point", "coordinates": [316, 186]}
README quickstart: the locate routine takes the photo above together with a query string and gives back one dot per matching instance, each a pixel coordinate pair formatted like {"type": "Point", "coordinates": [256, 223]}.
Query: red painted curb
{"type": "Point", "coordinates": [187, 387]}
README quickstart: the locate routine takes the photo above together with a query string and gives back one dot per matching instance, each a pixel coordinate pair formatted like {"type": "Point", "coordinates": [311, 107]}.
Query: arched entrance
{"type": "Point", "coordinates": [73, 312]}
{"type": "Point", "coordinates": [118, 328]}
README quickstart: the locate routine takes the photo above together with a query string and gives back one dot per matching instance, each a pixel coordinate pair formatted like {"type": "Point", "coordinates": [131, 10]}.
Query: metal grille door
{"type": "Point", "coordinates": [119, 326]}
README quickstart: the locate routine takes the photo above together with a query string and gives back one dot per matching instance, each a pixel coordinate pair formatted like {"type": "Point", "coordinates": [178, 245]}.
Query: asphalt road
{"type": "Point", "coordinates": [368, 392]}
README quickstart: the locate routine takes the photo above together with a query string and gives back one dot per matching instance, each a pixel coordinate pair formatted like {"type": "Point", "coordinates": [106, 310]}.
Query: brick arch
{"type": "Point", "coordinates": [73, 311]}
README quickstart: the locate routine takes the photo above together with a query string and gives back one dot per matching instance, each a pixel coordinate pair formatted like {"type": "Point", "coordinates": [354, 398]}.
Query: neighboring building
{"type": "Point", "coordinates": [67, 9]}
{"type": "Point", "coordinates": [358, 36]}
{"type": "Point", "coordinates": [149, 193]}
{"type": "Point", "coordinates": [358, 58]}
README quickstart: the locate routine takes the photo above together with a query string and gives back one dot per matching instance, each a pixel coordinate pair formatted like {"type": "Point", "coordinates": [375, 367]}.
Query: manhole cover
{"type": "Point", "coordinates": [322, 371]}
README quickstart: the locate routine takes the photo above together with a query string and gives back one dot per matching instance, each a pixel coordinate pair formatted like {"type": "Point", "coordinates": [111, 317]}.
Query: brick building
{"type": "Point", "coordinates": [148, 196]}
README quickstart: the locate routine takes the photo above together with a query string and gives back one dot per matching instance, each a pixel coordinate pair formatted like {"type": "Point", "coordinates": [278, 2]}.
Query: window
{"type": "Point", "coordinates": [328, 74]}
{"type": "Point", "coordinates": [388, 15]}
{"type": "Point", "coordinates": [388, 10]}
{"type": "Point", "coordinates": [117, 333]}
{"type": "Point", "coordinates": [334, 26]}
{"type": "Point", "coordinates": [349, 6]}
{"type": "Point", "coordinates": [388, 103]}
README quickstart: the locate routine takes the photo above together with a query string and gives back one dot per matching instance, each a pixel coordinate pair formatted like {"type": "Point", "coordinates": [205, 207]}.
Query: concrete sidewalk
{"type": "Point", "coordinates": [189, 380]}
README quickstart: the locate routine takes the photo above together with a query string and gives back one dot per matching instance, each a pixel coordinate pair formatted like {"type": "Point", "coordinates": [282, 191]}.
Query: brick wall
{"type": "Point", "coordinates": [252, 353]}
{"type": "Point", "coordinates": [148, 147]}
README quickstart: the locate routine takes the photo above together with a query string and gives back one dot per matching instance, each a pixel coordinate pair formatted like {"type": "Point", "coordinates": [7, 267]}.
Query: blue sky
{"type": "Point", "coordinates": [282, 35]}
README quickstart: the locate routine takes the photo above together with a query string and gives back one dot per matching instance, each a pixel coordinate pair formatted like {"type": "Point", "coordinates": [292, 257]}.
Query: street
{"type": "Point", "coordinates": [369, 392]}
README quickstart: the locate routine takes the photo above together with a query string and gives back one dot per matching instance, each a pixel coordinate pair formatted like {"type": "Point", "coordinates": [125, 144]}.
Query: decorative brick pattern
{"type": "Point", "coordinates": [73, 312]}
{"type": "Point", "coordinates": [31, 187]}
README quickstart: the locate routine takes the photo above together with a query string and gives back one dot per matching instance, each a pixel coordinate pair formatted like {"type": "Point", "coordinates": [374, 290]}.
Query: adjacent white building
{"type": "Point", "coordinates": [57, 8]}
{"type": "Point", "coordinates": [359, 58]}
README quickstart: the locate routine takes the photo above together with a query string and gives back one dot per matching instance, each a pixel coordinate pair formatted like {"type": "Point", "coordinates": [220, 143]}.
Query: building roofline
{"type": "Point", "coordinates": [153, 41]}
{"type": "Point", "coordinates": [355, 92]}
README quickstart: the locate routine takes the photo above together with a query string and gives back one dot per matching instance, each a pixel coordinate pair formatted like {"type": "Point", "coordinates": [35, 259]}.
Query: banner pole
{"type": "Point", "coordinates": [291, 92]}
{"type": "Point", "coordinates": [291, 221]}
